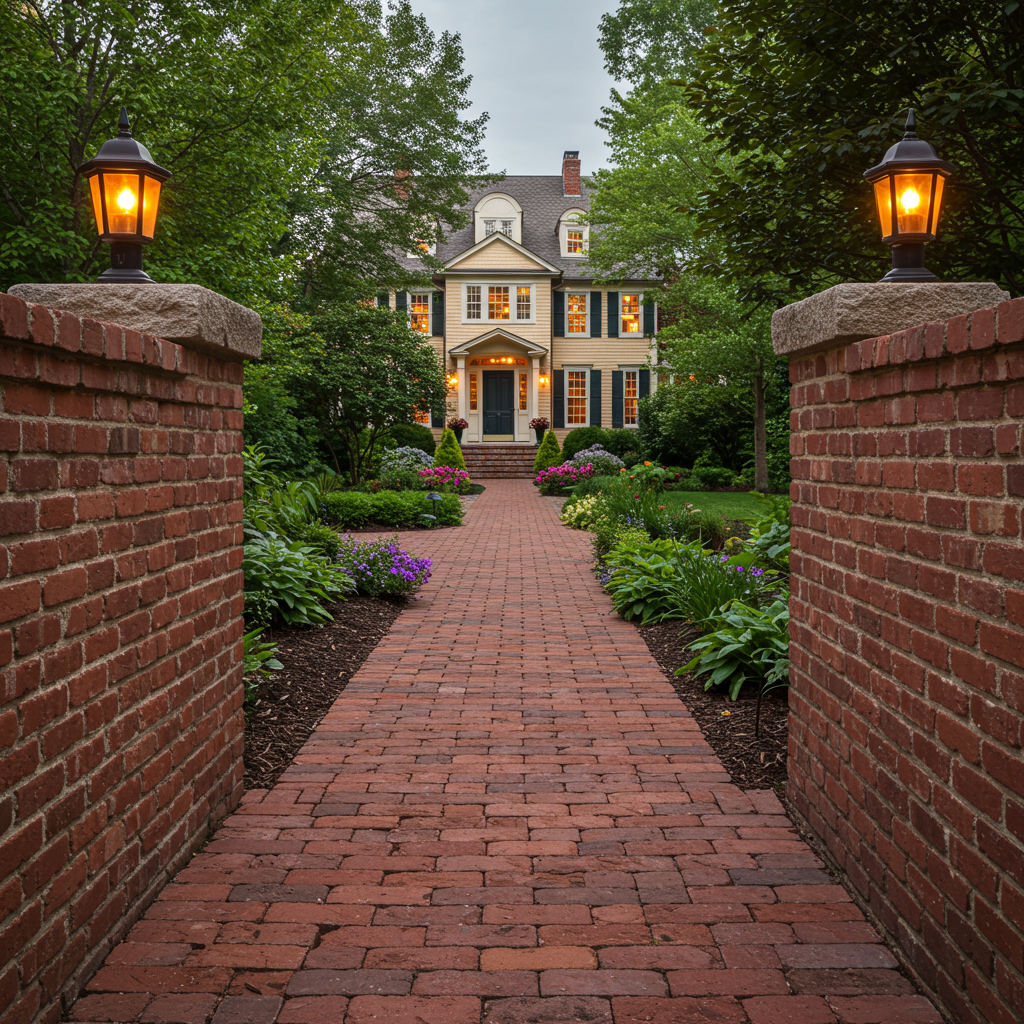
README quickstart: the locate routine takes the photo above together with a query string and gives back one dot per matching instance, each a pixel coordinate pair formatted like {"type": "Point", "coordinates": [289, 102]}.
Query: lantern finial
{"type": "Point", "coordinates": [124, 128]}
{"type": "Point", "coordinates": [911, 128]}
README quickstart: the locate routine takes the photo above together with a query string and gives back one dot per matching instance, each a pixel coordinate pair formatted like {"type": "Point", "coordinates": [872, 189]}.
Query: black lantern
{"type": "Point", "coordinates": [908, 186]}
{"type": "Point", "coordinates": [125, 187]}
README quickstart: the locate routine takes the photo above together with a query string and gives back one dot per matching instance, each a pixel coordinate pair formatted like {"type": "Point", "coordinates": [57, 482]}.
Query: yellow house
{"type": "Point", "coordinates": [520, 325]}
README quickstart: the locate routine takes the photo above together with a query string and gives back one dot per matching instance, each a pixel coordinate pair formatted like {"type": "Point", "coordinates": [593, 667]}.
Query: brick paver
{"type": "Point", "coordinates": [507, 817]}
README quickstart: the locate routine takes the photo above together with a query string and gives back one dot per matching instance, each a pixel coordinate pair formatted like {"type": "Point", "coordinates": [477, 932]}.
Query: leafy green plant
{"type": "Point", "coordinates": [645, 581]}
{"type": "Point", "coordinates": [746, 645]}
{"type": "Point", "coordinates": [548, 453]}
{"type": "Point", "coordinates": [348, 509]}
{"type": "Point", "coordinates": [581, 438]}
{"type": "Point", "coordinates": [448, 452]}
{"type": "Point", "coordinates": [287, 580]}
{"type": "Point", "coordinates": [321, 538]}
{"type": "Point", "coordinates": [412, 435]}
{"type": "Point", "coordinates": [259, 658]}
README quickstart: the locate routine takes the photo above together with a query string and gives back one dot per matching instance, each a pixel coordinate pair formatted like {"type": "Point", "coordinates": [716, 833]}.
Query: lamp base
{"type": "Point", "coordinates": [908, 265]}
{"type": "Point", "coordinates": [125, 265]}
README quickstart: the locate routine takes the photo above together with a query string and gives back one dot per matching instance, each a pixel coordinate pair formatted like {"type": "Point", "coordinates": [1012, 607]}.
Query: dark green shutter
{"type": "Point", "coordinates": [595, 314]}
{"type": "Point", "coordinates": [618, 410]}
{"type": "Point", "coordinates": [384, 299]}
{"type": "Point", "coordinates": [613, 314]}
{"type": "Point", "coordinates": [595, 398]}
{"type": "Point", "coordinates": [649, 318]}
{"type": "Point", "coordinates": [559, 314]}
{"type": "Point", "coordinates": [437, 319]}
{"type": "Point", "coordinates": [645, 384]}
{"type": "Point", "coordinates": [558, 398]}
{"type": "Point", "coordinates": [402, 300]}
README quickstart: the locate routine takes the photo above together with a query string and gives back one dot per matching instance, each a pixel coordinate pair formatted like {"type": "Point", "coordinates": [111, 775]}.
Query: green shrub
{"type": "Point", "coordinates": [707, 527]}
{"type": "Point", "coordinates": [707, 478]}
{"type": "Point", "coordinates": [644, 579]}
{"type": "Point", "coordinates": [413, 435]}
{"type": "Point", "coordinates": [608, 532]}
{"type": "Point", "coordinates": [448, 511]}
{"type": "Point", "coordinates": [397, 478]}
{"type": "Point", "coordinates": [448, 452]}
{"type": "Point", "coordinates": [287, 580]}
{"type": "Point", "coordinates": [583, 437]}
{"type": "Point", "coordinates": [391, 509]}
{"type": "Point", "coordinates": [623, 442]}
{"type": "Point", "coordinates": [348, 510]}
{"type": "Point", "coordinates": [548, 454]}
{"type": "Point", "coordinates": [321, 538]}
{"type": "Point", "coordinates": [746, 645]}
{"type": "Point", "coordinates": [593, 485]}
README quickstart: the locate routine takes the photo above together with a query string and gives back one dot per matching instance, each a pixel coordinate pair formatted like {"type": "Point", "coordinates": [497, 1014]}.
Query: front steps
{"type": "Point", "coordinates": [492, 460]}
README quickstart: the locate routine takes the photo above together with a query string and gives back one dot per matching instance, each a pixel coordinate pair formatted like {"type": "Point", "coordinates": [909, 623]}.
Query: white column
{"type": "Point", "coordinates": [534, 402]}
{"type": "Point", "coordinates": [460, 365]}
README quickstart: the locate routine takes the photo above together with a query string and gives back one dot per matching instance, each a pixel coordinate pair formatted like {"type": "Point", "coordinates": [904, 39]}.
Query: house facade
{"type": "Point", "coordinates": [519, 323]}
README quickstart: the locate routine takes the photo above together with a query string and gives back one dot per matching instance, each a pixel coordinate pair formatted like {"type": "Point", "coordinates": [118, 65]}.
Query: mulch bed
{"type": "Point", "coordinates": [318, 663]}
{"type": "Point", "coordinates": [753, 762]}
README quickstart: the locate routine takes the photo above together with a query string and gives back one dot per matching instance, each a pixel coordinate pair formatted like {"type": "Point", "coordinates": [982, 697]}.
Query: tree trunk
{"type": "Point", "coordinates": [760, 437]}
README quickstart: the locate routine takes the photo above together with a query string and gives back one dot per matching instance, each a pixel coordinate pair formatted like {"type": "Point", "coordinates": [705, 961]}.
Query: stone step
{"type": "Point", "coordinates": [495, 461]}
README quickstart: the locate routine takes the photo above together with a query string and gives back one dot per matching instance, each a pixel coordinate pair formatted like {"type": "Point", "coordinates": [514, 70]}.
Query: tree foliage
{"type": "Point", "coordinates": [283, 123]}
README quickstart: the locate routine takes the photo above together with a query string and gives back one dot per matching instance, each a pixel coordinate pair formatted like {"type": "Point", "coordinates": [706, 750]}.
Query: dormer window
{"type": "Point", "coordinates": [498, 214]}
{"type": "Point", "coordinates": [573, 237]}
{"type": "Point", "coordinates": [504, 226]}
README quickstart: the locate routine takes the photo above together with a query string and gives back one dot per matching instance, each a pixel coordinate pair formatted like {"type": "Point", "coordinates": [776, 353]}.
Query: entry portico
{"type": "Point", "coordinates": [498, 385]}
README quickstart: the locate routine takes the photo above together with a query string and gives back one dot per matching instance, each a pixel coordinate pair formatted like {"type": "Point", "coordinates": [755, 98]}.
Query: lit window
{"type": "Point", "coordinates": [630, 314]}
{"type": "Point", "coordinates": [473, 302]}
{"type": "Point", "coordinates": [419, 306]}
{"type": "Point", "coordinates": [522, 392]}
{"type": "Point", "coordinates": [523, 303]}
{"type": "Point", "coordinates": [576, 398]}
{"type": "Point", "coordinates": [422, 416]}
{"type": "Point", "coordinates": [472, 392]}
{"type": "Point", "coordinates": [576, 313]}
{"type": "Point", "coordinates": [629, 397]}
{"type": "Point", "coordinates": [497, 302]}
{"type": "Point", "coordinates": [574, 242]}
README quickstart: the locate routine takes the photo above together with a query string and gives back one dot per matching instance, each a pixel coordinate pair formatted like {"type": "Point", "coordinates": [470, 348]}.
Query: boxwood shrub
{"type": "Point", "coordinates": [352, 510]}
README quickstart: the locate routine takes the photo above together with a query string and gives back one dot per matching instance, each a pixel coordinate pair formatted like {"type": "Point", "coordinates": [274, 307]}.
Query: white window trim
{"type": "Point", "coordinates": [630, 369]}
{"type": "Point", "coordinates": [585, 333]}
{"type": "Point", "coordinates": [513, 304]}
{"type": "Point", "coordinates": [429, 292]}
{"type": "Point", "coordinates": [568, 221]}
{"type": "Point", "coordinates": [640, 314]}
{"type": "Point", "coordinates": [586, 400]}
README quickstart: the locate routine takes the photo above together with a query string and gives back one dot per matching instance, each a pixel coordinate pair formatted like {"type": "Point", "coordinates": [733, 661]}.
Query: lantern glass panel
{"type": "Point", "coordinates": [913, 198]}
{"type": "Point", "coordinates": [151, 201]}
{"type": "Point", "coordinates": [939, 182]}
{"type": "Point", "coordinates": [97, 206]}
{"type": "Point", "coordinates": [122, 195]}
{"type": "Point", "coordinates": [883, 204]}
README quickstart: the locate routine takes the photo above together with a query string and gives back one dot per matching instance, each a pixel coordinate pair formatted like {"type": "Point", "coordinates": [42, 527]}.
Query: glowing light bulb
{"type": "Point", "coordinates": [910, 200]}
{"type": "Point", "coordinates": [126, 200]}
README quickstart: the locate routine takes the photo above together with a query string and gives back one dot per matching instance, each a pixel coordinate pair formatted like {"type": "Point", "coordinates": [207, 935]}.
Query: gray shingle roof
{"type": "Point", "coordinates": [543, 203]}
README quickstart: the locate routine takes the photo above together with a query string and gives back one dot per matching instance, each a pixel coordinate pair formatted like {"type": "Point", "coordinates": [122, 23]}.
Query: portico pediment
{"type": "Point", "coordinates": [498, 340]}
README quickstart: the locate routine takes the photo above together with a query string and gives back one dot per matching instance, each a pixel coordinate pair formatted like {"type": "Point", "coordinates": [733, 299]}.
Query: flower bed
{"type": "Point", "coordinates": [380, 568]}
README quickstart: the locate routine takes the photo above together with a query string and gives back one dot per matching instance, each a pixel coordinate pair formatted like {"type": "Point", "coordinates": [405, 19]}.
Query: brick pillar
{"type": "Point", "coordinates": [121, 725]}
{"type": "Point", "coordinates": [571, 173]}
{"type": "Point", "coordinates": [907, 680]}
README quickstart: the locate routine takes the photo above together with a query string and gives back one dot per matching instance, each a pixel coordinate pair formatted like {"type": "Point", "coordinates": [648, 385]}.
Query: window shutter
{"type": "Point", "coordinates": [618, 404]}
{"type": "Point", "coordinates": [435, 420]}
{"type": "Point", "coordinates": [644, 384]}
{"type": "Point", "coordinates": [437, 319]}
{"type": "Point", "coordinates": [384, 300]}
{"type": "Point", "coordinates": [559, 314]}
{"type": "Point", "coordinates": [558, 397]}
{"type": "Point", "coordinates": [613, 314]}
{"type": "Point", "coordinates": [401, 301]}
{"type": "Point", "coordinates": [595, 314]}
{"type": "Point", "coordinates": [649, 318]}
{"type": "Point", "coordinates": [595, 398]}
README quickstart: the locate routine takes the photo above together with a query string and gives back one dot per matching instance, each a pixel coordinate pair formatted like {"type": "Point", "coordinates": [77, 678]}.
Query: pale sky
{"type": "Point", "coordinates": [538, 71]}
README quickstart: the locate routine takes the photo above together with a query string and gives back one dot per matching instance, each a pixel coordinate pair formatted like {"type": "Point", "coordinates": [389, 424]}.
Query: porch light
{"type": "Point", "coordinates": [125, 187]}
{"type": "Point", "coordinates": [908, 186]}
{"type": "Point", "coordinates": [453, 380]}
{"type": "Point", "coordinates": [545, 380]}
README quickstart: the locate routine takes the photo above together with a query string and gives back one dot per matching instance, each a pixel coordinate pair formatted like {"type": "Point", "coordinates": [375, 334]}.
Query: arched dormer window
{"type": "Point", "coordinates": [498, 212]}
{"type": "Point", "coordinates": [573, 236]}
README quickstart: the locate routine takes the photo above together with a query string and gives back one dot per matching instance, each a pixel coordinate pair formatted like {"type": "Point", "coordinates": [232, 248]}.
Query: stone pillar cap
{"type": "Point", "coordinates": [188, 314]}
{"type": "Point", "coordinates": [853, 312]}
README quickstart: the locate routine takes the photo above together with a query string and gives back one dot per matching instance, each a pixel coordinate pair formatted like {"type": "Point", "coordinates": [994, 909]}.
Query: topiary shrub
{"type": "Point", "coordinates": [391, 509]}
{"type": "Point", "coordinates": [583, 437]}
{"type": "Point", "coordinates": [348, 509]}
{"type": "Point", "coordinates": [413, 435]}
{"type": "Point", "coordinates": [548, 454]}
{"type": "Point", "coordinates": [448, 452]}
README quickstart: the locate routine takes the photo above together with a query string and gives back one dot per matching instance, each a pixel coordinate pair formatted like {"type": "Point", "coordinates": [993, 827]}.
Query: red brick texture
{"type": "Point", "coordinates": [907, 701]}
{"type": "Point", "coordinates": [120, 626]}
{"type": "Point", "coordinates": [507, 817]}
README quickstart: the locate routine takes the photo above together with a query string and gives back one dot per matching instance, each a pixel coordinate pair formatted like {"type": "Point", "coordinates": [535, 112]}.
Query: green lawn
{"type": "Point", "coordinates": [734, 504]}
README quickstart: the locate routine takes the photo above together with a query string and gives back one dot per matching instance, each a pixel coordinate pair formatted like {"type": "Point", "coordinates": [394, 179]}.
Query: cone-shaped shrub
{"type": "Point", "coordinates": [548, 454]}
{"type": "Point", "coordinates": [448, 452]}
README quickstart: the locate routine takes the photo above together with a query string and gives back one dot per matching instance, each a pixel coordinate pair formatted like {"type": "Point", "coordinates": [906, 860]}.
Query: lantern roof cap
{"type": "Point", "coordinates": [124, 153]}
{"type": "Point", "coordinates": [910, 154]}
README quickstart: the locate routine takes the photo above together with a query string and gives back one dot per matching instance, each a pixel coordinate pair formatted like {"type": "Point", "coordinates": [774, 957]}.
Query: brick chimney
{"type": "Point", "coordinates": [571, 172]}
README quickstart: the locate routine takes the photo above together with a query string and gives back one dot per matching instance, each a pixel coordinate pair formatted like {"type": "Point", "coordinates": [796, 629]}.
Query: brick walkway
{"type": "Point", "coordinates": [507, 817]}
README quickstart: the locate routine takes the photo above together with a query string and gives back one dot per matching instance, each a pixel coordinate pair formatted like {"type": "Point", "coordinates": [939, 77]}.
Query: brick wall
{"type": "Point", "coordinates": [120, 604]}
{"type": "Point", "coordinates": [907, 703]}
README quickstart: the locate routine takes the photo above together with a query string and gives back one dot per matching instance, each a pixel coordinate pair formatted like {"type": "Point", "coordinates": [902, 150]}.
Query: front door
{"type": "Point", "coordinates": [499, 388]}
